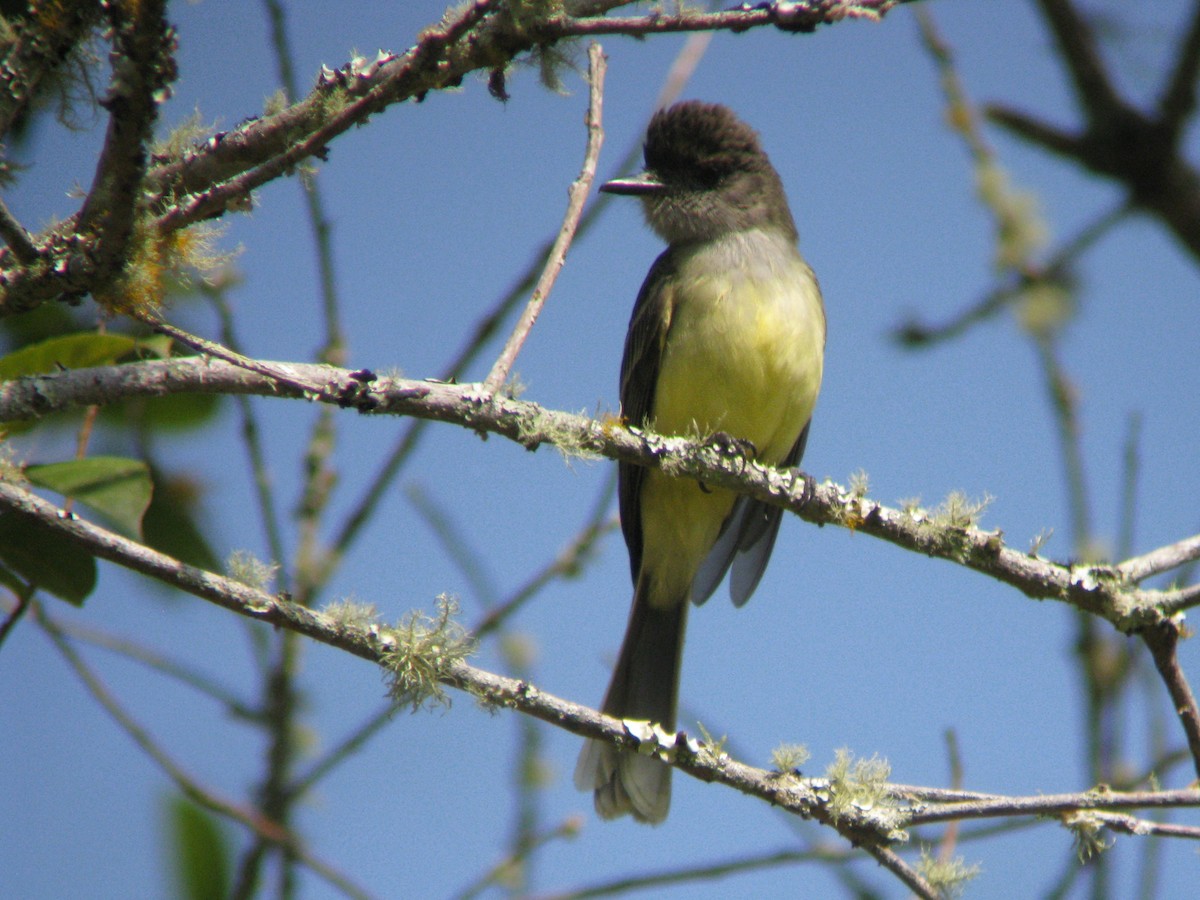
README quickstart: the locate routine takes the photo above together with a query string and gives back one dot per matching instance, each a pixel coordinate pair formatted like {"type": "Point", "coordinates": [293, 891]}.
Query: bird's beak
{"type": "Point", "coordinates": [640, 185]}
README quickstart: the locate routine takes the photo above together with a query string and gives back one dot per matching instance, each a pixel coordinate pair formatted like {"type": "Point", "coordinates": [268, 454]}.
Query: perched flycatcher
{"type": "Point", "coordinates": [727, 337]}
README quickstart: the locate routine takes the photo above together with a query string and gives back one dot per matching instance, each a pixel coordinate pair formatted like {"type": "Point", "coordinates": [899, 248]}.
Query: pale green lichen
{"type": "Point", "coordinates": [244, 566]}
{"type": "Point", "coordinates": [959, 511]}
{"type": "Point", "coordinates": [421, 649]}
{"type": "Point", "coordinates": [350, 613]}
{"type": "Point", "coordinates": [789, 757]}
{"type": "Point", "coordinates": [947, 877]}
{"type": "Point", "coordinates": [857, 785]}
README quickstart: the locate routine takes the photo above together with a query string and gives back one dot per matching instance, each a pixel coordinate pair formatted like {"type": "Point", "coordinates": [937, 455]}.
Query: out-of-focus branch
{"type": "Point", "coordinates": [1077, 45]}
{"type": "Point", "coordinates": [1178, 100]}
{"type": "Point", "coordinates": [1140, 150]}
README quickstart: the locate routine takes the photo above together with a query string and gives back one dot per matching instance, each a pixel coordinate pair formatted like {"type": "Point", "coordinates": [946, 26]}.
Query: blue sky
{"type": "Point", "coordinates": [849, 642]}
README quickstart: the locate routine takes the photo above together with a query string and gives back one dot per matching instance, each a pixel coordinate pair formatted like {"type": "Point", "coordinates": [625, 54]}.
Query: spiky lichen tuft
{"type": "Point", "coordinates": [960, 511]}
{"type": "Point", "coordinates": [244, 566]}
{"type": "Point", "coordinates": [857, 785]}
{"type": "Point", "coordinates": [789, 757]}
{"type": "Point", "coordinates": [350, 613]}
{"type": "Point", "coordinates": [860, 482]}
{"type": "Point", "coordinates": [1088, 832]}
{"type": "Point", "coordinates": [1039, 541]}
{"type": "Point", "coordinates": [275, 103]}
{"type": "Point", "coordinates": [947, 877]}
{"type": "Point", "coordinates": [183, 137]}
{"type": "Point", "coordinates": [716, 745]}
{"type": "Point", "coordinates": [420, 651]}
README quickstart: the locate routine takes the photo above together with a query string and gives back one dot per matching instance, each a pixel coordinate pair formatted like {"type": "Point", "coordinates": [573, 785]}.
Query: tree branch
{"type": "Point", "coordinates": [218, 175]}
{"type": "Point", "coordinates": [1097, 589]}
{"type": "Point", "coordinates": [874, 827]}
{"type": "Point", "coordinates": [143, 67]}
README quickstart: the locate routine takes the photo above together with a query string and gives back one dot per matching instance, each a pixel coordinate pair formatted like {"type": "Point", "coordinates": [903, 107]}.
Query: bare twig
{"type": "Point", "coordinates": [184, 674]}
{"type": "Point", "coordinates": [503, 870]}
{"type": "Point", "coordinates": [1178, 100]}
{"type": "Point", "coordinates": [1055, 270]}
{"type": "Point", "coordinates": [1078, 49]}
{"type": "Point", "coordinates": [16, 236]}
{"type": "Point", "coordinates": [252, 440]}
{"type": "Point", "coordinates": [14, 615]}
{"type": "Point", "coordinates": [567, 561]}
{"type": "Point", "coordinates": [704, 874]}
{"type": "Point", "coordinates": [220, 174]}
{"type": "Point", "coordinates": [950, 839]}
{"type": "Point", "coordinates": [1162, 559]}
{"type": "Point", "coordinates": [577, 196]}
{"type": "Point", "coordinates": [1163, 641]}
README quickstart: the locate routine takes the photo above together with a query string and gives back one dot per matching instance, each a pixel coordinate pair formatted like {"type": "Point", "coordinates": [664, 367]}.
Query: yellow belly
{"type": "Point", "coordinates": [744, 356]}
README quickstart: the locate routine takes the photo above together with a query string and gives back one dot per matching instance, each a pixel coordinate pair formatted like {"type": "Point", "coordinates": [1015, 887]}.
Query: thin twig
{"type": "Point", "coordinates": [1163, 641]}
{"type": "Point", "coordinates": [1161, 559]}
{"type": "Point", "coordinates": [164, 665]}
{"type": "Point", "coordinates": [16, 236]}
{"type": "Point", "coordinates": [577, 196]}
{"type": "Point", "coordinates": [24, 599]}
{"type": "Point", "coordinates": [704, 874]}
{"type": "Point", "coordinates": [252, 440]}
{"type": "Point", "coordinates": [342, 751]}
{"type": "Point", "coordinates": [950, 839]}
{"type": "Point", "coordinates": [503, 870]}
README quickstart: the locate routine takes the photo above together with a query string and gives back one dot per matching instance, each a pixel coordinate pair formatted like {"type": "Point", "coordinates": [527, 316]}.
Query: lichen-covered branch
{"type": "Point", "coordinates": [1097, 589]}
{"type": "Point", "coordinates": [219, 174]}
{"type": "Point", "coordinates": [853, 798]}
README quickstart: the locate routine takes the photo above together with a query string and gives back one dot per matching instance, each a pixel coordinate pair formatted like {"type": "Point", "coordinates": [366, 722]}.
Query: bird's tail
{"type": "Point", "coordinates": [644, 686]}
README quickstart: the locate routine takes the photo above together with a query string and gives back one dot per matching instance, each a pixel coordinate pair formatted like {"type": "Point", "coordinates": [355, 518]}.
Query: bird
{"type": "Point", "coordinates": [726, 341]}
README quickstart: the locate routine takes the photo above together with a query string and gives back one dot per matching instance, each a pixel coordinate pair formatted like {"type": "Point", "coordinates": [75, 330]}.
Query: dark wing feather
{"type": "Point", "coordinates": [640, 364]}
{"type": "Point", "coordinates": [757, 527]}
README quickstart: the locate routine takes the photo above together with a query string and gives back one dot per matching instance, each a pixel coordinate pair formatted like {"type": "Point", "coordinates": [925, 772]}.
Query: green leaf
{"type": "Point", "coordinates": [200, 850]}
{"type": "Point", "coordinates": [170, 526]}
{"type": "Point", "coordinates": [74, 351]}
{"type": "Point", "coordinates": [40, 555]}
{"type": "Point", "coordinates": [171, 412]}
{"type": "Point", "coordinates": [118, 488]}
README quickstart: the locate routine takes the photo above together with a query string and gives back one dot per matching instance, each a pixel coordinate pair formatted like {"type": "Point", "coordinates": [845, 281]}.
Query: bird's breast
{"type": "Point", "coordinates": [744, 352]}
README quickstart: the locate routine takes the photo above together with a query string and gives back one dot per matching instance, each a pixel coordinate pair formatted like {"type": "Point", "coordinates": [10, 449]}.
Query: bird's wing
{"type": "Point", "coordinates": [644, 342]}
